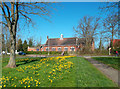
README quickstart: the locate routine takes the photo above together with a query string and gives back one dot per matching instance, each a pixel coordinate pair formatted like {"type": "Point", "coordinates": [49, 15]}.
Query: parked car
{"type": "Point", "coordinates": [21, 53]}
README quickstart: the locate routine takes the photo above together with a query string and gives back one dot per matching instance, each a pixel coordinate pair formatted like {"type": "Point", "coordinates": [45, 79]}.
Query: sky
{"type": "Point", "coordinates": [66, 16]}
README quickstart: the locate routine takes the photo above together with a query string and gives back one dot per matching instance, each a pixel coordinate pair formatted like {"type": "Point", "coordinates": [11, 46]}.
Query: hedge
{"type": "Point", "coordinates": [46, 52]}
{"type": "Point", "coordinates": [114, 51]}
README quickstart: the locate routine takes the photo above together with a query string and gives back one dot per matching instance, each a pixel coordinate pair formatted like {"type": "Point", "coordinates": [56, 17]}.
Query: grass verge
{"type": "Point", "coordinates": [114, 62]}
{"type": "Point", "coordinates": [64, 71]}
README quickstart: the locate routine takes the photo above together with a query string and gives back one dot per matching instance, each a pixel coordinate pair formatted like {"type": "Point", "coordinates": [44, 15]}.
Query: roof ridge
{"type": "Point", "coordinates": [63, 38]}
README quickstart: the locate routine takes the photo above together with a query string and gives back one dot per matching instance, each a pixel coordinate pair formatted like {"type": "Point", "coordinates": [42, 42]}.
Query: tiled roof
{"type": "Point", "coordinates": [64, 41]}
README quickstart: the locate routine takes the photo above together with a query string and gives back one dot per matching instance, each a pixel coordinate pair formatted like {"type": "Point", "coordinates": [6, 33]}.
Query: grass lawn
{"type": "Point", "coordinates": [64, 71]}
{"type": "Point", "coordinates": [110, 61]}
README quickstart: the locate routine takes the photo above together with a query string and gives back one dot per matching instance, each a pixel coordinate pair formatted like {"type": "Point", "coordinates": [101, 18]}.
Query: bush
{"type": "Point", "coordinates": [101, 52]}
{"type": "Point", "coordinates": [114, 51]}
{"type": "Point", "coordinates": [46, 52]}
{"type": "Point", "coordinates": [95, 52]}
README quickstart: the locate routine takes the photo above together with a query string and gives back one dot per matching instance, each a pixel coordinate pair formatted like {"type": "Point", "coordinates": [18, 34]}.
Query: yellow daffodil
{"type": "Point", "coordinates": [28, 85]}
{"type": "Point", "coordinates": [4, 86]}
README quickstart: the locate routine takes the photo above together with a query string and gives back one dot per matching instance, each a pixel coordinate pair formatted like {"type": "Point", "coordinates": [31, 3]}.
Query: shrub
{"type": "Point", "coordinates": [46, 52]}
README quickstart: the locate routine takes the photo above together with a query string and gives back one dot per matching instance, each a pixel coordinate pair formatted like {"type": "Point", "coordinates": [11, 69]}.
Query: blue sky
{"type": "Point", "coordinates": [66, 15]}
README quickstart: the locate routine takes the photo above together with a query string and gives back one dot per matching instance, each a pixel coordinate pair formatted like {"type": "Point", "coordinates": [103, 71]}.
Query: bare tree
{"type": "Point", "coordinates": [111, 27]}
{"type": "Point", "coordinates": [12, 11]}
{"type": "Point", "coordinates": [6, 36]}
{"type": "Point", "coordinates": [109, 7]}
{"type": "Point", "coordinates": [102, 40]}
{"type": "Point", "coordinates": [110, 22]}
{"type": "Point", "coordinates": [3, 42]}
{"type": "Point", "coordinates": [39, 42]}
{"type": "Point", "coordinates": [87, 29]}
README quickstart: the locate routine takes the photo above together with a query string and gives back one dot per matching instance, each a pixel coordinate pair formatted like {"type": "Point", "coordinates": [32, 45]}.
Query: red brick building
{"type": "Point", "coordinates": [33, 48]}
{"type": "Point", "coordinates": [62, 44]}
{"type": "Point", "coordinates": [116, 42]}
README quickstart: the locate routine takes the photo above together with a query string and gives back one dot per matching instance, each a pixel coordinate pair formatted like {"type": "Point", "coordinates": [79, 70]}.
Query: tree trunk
{"type": "Point", "coordinates": [100, 46]}
{"type": "Point", "coordinates": [112, 40]}
{"type": "Point", "coordinates": [6, 50]}
{"type": "Point", "coordinates": [87, 45]}
{"type": "Point", "coordinates": [12, 62]}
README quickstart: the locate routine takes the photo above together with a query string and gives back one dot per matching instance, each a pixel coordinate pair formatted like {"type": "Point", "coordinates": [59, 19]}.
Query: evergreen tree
{"type": "Point", "coordinates": [25, 46]}
{"type": "Point", "coordinates": [20, 46]}
{"type": "Point", "coordinates": [30, 42]}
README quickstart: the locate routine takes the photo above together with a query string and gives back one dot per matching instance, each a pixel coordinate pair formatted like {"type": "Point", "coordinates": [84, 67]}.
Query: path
{"type": "Point", "coordinates": [111, 73]}
{"type": "Point", "coordinates": [32, 55]}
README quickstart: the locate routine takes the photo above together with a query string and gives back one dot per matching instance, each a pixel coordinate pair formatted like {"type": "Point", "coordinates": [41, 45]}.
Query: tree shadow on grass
{"type": "Point", "coordinates": [28, 61]}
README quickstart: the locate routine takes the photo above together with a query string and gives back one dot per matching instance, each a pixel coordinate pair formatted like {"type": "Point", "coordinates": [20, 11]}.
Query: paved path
{"type": "Point", "coordinates": [111, 73]}
{"type": "Point", "coordinates": [35, 55]}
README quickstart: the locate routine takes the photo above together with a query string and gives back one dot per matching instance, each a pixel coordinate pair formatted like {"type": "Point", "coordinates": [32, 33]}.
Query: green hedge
{"type": "Point", "coordinates": [102, 52]}
{"type": "Point", "coordinates": [45, 52]}
{"type": "Point", "coordinates": [114, 51]}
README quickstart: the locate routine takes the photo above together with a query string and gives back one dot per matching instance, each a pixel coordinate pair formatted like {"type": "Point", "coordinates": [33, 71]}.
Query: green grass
{"type": "Point", "coordinates": [68, 72]}
{"type": "Point", "coordinates": [110, 61]}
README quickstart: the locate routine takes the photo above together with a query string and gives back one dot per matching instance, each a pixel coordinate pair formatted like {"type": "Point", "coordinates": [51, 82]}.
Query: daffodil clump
{"type": "Point", "coordinates": [48, 69]}
{"type": "Point", "coordinates": [0, 82]}
{"type": "Point", "coordinates": [29, 81]}
{"type": "Point", "coordinates": [7, 81]}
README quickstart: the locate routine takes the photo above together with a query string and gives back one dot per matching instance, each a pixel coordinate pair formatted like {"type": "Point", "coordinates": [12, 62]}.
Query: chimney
{"type": "Point", "coordinates": [61, 38]}
{"type": "Point", "coordinates": [47, 37]}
